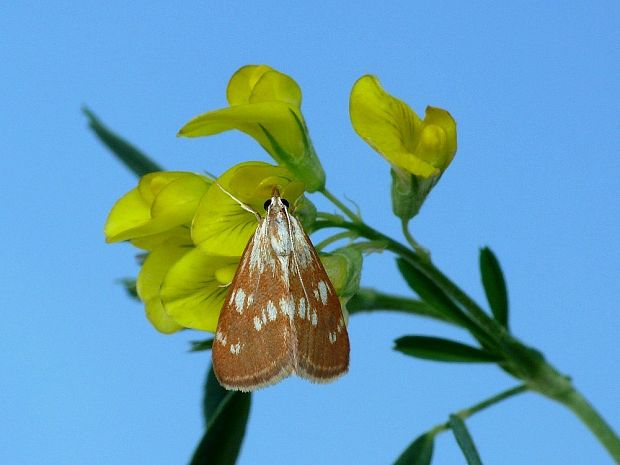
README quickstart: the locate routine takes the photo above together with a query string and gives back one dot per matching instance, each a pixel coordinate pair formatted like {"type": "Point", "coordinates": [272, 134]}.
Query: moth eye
{"type": "Point", "coordinates": [285, 202]}
{"type": "Point", "coordinates": [266, 204]}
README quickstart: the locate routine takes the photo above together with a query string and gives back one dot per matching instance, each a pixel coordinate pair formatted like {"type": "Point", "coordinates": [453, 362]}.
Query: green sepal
{"type": "Point", "coordinates": [409, 192]}
{"type": "Point", "coordinates": [344, 268]}
{"type": "Point", "coordinates": [464, 440]}
{"type": "Point", "coordinates": [305, 211]}
{"type": "Point", "coordinates": [442, 350]}
{"type": "Point", "coordinates": [494, 285]}
{"type": "Point", "coordinates": [419, 452]}
{"type": "Point", "coordinates": [129, 155]}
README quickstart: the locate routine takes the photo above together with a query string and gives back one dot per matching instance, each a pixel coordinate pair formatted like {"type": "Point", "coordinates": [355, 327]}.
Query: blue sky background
{"type": "Point", "coordinates": [535, 88]}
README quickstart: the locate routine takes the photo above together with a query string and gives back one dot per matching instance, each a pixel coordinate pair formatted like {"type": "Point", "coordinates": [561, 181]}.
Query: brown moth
{"type": "Point", "coordinates": [281, 315]}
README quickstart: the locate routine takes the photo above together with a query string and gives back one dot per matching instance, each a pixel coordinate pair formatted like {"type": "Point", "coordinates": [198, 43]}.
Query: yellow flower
{"type": "Point", "coordinates": [423, 148]}
{"type": "Point", "coordinates": [221, 226]}
{"type": "Point", "coordinates": [160, 208]}
{"type": "Point", "coordinates": [194, 289]}
{"type": "Point", "coordinates": [266, 105]}
{"type": "Point", "coordinates": [418, 150]}
{"type": "Point", "coordinates": [150, 279]}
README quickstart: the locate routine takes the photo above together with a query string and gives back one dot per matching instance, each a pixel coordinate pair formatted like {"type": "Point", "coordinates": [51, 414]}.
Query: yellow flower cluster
{"type": "Point", "coordinates": [194, 228]}
{"type": "Point", "coordinates": [194, 234]}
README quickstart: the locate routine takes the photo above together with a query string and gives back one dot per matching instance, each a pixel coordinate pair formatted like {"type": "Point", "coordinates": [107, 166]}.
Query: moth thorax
{"type": "Point", "coordinates": [279, 235]}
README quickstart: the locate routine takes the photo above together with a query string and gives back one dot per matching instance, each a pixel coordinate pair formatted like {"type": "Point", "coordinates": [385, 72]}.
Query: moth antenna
{"type": "Point", "coordinates": [243, 205]}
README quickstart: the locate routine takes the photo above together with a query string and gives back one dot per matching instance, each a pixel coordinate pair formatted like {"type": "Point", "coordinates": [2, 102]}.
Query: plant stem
{"type": "Point", "coordinates": [521, 361]}
{"type": "Point", "coordinates": [468, 412]}
{"type": "Point", "coordinates": [336, 237]}
{"type": "Point", "coordinates": [422, 251]}
{"type": "Point", "coordinates": [346, 210]}
{"type": "Point", "coordinates": [594, 421]}
{"type": "Point", "coordinates": [368, 300]}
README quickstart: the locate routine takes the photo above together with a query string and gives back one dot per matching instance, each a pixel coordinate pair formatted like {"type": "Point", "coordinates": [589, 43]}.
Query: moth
{"type": "Point", "coordinates": [281, 315]}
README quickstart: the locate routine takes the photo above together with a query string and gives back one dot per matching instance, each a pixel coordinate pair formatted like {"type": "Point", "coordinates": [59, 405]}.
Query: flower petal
{"type": "Point", "coordinates": [161, 202]}
{"type": "Point", "coordinates": [389, 126]}
{"type": "Point", "coordinates": [261, 83]}
{"type": "Point", "coordinates": [191, 293]}
{"type": "Point", "coordinates": [149, 282]}
{"type": "Point", "coordinates": [221, 226]}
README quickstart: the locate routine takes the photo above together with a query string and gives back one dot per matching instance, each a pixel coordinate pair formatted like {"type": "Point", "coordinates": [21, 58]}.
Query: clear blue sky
{"type": "Point", "coordinates": [535, 88]}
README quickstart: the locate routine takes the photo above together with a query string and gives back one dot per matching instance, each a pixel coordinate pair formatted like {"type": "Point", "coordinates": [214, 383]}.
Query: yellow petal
{"type": "Point", "coordinates": [191, 293]}
{"type": "Point", "coordinates": [277, 119]}
{"type": "Point", "coordinates": [149, 282]}
{"type": "Point", "coordinates": [388, 125]}
{"type": "Point", "coordinates": [221, 226]}
{"type": "Point", "coordinates": [161, 202]}
{"type": "Point", "coordinates": [129, 212]}
{"type": "Point", "coordinates": [242, 83]}
{"type": "Point", "coordinates": [260, 83]}
{"type": "Point", "coordinates": [438, 138]}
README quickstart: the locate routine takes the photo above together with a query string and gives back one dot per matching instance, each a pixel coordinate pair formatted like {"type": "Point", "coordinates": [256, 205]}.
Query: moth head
{"type": "Point", "coordinates": [276, 202]}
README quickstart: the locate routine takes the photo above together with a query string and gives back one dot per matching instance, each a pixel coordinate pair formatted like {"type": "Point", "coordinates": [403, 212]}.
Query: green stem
{"type": "Point", "coordinates": [346, 210]}
{"type": "Point", "coordinates": [422, 251]}
{"type": "Point", "coordinates": [468, 412]}
{"type": "Point", "coordinates": [594, 421]}
{"type": "Point", "coordinates": [336, 237]}
{"type": "Point", "coordinates": [368, 300]}
{"type": "Point", "coordinates": [521, 361]}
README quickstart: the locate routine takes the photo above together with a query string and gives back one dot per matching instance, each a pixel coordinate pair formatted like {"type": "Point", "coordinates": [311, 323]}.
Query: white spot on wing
{"type": "Point", "coordinates": [235, 348]}
{"type": "Point", "coordinates": [250, 300]}
{"type": "Point", "coordinates": [315, 318]}
{"type": "Point", "coordinates": [332, 337]}
{"type": "Point", "coordinates": [258, 324]}
{"type": "Point", "coordinates": [239, 299]}
{"type": "Point", "coordinates": [316, 294]}
{"type": "Point", "coordinates": [322, 292]}
{"type": "Point", "coordinates": [302, 308]}
{"type": "Point", "coordinates": [272, 312]}
{"type": "Point", "coordinates": [287, 305]}
{"type": "Point", "coordinates": [221, 338]}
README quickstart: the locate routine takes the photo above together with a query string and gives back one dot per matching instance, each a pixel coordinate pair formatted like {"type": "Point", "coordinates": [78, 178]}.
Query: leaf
{"type": "Point", "coordinates": [198, 346]}
{"type": "Point", "coordinates": [419, 452]}
{"type": "Point", "coordinates": [494, 285]}
{"type": "Point", "coordinates": [214, 395]}
{"type": "Point", "coordinates": [430, 293]}
{"type": "Point", "coordinates": [129, 284]}
{"type": "Point", "coordinates": [443, 350]}
{"type": "Point", "coordinates": [133, 158]}
{"type": "Point", "coordinates": [228, 418]}
{"type": "Point", "coordinates": [464, 439]}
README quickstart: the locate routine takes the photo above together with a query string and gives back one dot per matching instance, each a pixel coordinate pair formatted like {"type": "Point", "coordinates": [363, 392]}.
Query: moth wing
{"type": "Point", "coordinates": [322, 338]}
{"type": "Point", "coordinates": [253, 346]}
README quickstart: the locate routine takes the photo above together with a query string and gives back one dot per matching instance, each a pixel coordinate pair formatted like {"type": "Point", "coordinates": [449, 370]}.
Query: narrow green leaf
{"type": "Point", "coordinates": [198, 346]}
{"type": "Point", "coordinates": [419, 452]}
{"type": "Point", "coordinates": [494, 285]}
{"type": "Point", "coordinates": [227, 413]}
{"type": "Point", "coordinates": [464, 439]}
{"type": "Point", "coordinates": [432, 294]}
{"type": "Point", "coordinates": [129, 284]}
{"type": "Point", "coordinates": [443, 350]}
{"type": "Point", "coordinates": [214, 395]}
{"type": "Point", "coordinates": [131, 157]}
